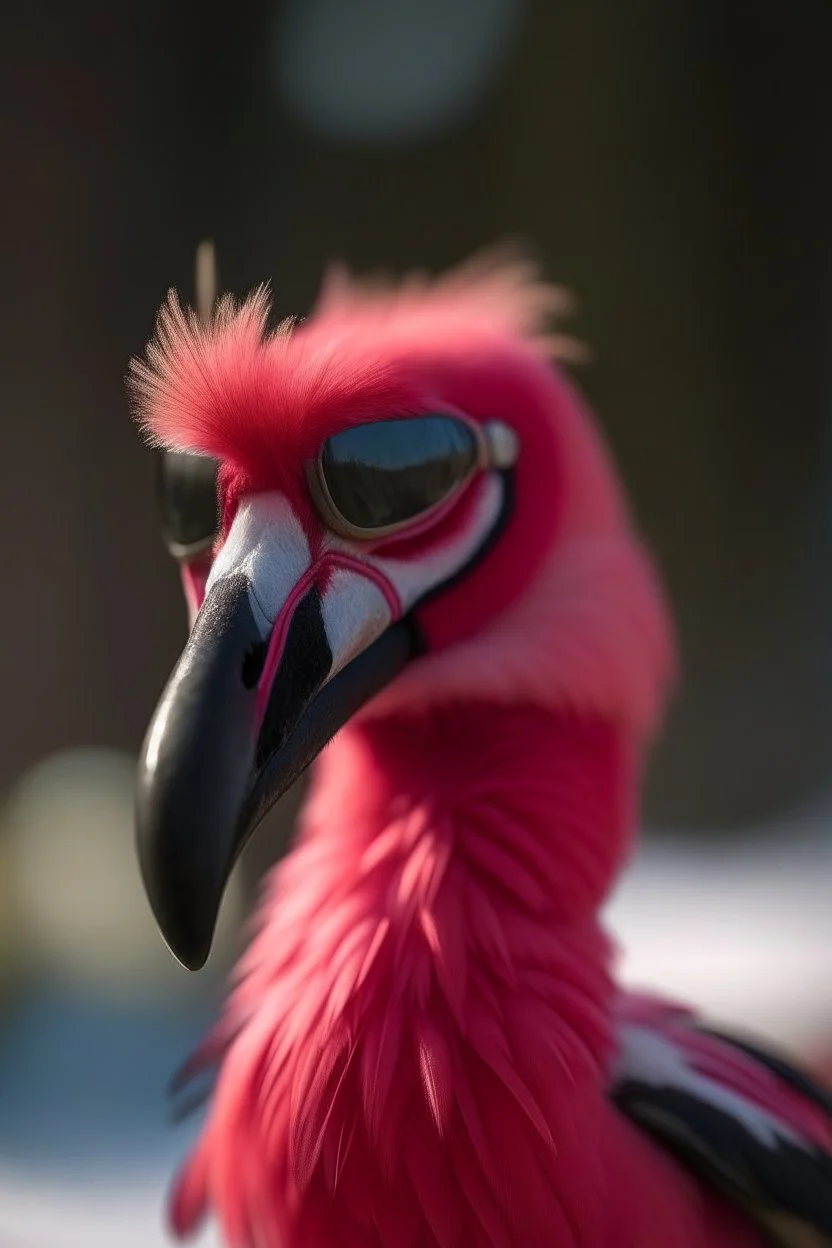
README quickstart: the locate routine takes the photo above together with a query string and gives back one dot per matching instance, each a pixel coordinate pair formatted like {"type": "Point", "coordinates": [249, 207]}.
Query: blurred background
{"type": "Point", "coordinates": [668, 162]}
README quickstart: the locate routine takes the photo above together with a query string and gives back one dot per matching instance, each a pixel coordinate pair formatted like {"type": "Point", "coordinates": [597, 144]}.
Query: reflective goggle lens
{"type": "Point", "coordinates": [383, 475]}
{"type": "Point", "coordinates": [188, 501]}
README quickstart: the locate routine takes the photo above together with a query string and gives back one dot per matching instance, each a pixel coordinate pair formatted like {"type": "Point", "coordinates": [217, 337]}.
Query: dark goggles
{"type": "Point", "coordinates": [367, 482]}
{"type": "Point", "coordinates": [187, 487]}
{"type": "Point", "coordinates": [376, 479]}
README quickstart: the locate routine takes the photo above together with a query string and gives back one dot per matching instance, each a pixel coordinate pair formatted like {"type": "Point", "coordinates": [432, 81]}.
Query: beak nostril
{"type": "Point", "coordinates": [254, 661]}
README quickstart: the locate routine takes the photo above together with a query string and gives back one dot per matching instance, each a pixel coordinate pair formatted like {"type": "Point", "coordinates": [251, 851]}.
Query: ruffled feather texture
{"type": "Point", "coordinates": [415, 1050]}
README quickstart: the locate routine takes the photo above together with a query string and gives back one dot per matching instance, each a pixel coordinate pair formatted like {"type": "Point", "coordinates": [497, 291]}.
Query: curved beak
{"type": "Point", "coordinates": [282, 653]}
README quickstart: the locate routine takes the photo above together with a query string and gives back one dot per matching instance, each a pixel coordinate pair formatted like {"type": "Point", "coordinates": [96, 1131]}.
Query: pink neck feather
{"type": "Point", "coordinates": [423, 1019]}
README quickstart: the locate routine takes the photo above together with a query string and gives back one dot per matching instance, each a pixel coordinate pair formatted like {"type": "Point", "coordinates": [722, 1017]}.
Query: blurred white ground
{"type": "Point", "coordinates": [744, 933]}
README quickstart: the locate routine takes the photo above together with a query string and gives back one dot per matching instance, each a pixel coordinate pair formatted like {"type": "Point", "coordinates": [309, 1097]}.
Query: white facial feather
{"type": "Point", "coordinates": [355, 612]}
{"type": "Point", "coordinates": [266, 542]}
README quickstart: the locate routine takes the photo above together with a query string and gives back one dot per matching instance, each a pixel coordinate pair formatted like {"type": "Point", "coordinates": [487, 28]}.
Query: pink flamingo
{"type": "Point", "coordinates": [424, 553]}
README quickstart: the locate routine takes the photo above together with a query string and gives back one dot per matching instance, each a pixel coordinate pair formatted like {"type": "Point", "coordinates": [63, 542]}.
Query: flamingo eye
{"type": "Point", "coordinates": [374, 479]}
{"type": "Point", "coordinates": [188, 501]}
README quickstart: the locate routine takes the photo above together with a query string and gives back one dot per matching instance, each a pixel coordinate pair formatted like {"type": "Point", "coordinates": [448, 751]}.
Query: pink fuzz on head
{"type": "Point", "coordinates": [233, 390]}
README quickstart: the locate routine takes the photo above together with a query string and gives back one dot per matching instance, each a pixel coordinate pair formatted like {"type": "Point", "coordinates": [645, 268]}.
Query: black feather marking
{"type": "Point", "coordinates": [785, 1178]}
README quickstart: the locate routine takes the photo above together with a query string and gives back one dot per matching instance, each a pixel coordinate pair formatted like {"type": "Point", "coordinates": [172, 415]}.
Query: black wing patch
{"type": "Point", "coordinates": [781, 1179]}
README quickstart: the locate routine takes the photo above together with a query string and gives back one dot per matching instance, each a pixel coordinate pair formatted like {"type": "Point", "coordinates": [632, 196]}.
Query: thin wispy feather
{"type": "Point", "coordinates": [229, 385]}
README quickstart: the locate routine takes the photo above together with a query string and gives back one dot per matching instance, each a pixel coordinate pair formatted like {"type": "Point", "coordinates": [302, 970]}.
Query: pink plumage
{"type": "Point", "coordinates": [422, 1040]}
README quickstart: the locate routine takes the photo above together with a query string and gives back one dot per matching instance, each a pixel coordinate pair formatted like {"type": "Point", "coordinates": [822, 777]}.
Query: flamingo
{"type": "Point", "coordinates": [426, 579]}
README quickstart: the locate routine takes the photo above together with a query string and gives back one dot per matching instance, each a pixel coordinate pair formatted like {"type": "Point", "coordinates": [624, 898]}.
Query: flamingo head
{"type": "Point", "coordinates": [412, 505]}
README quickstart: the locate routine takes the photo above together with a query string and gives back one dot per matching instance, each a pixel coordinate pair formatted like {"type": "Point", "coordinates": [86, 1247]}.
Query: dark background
{"type": "Point", "coordinates": [670, 163]}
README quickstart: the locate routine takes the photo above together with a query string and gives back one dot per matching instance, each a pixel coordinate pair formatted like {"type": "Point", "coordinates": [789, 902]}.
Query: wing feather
{"type": "Point", "coordinates": [745, 1120]}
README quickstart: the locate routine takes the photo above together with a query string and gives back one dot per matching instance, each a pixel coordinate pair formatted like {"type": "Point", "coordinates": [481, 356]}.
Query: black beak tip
{"type": "Point", "coordinates": [183, 876]}
{"type": "Point", "coordinates": [189, 953]}
{"type": "Point", "coordinates": [185, 919]}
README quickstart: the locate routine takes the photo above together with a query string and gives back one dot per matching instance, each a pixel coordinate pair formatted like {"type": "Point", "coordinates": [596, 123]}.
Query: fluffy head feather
{"type": "Point", "coordinates": [225, 387]}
